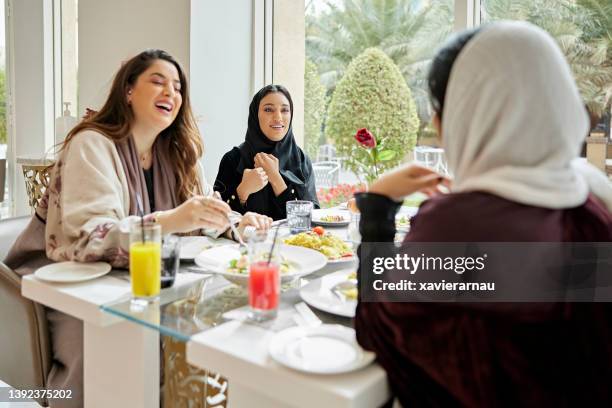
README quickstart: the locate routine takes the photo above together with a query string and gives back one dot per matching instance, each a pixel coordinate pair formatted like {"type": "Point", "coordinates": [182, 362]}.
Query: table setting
{"type": "Point", "coordinates": [195, 288]}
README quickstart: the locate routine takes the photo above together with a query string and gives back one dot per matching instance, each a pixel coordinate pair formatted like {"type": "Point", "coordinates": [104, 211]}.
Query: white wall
{"type": "Point", "coordinates": [212, 40]}
{"type": "Point", "coordinates": [112, 31]}
{"type": "Point", "coordinates": [221, 63]}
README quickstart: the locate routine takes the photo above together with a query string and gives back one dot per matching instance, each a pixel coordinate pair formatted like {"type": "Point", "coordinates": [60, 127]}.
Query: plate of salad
{"type": "Point", "coordinates": [331, 217]}
{"type": "Point", "coordinates": [231, 263]}
{"type": "Point", "coordinates": [334, 248]}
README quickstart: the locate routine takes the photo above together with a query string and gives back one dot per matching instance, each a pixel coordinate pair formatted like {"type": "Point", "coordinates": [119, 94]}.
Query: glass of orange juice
{"type": "Point", "coordinates": [145, 260]}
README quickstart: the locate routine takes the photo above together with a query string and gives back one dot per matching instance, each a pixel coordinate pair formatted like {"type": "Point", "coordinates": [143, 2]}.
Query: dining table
{"type": "Point", "coordinates": [209, 314]}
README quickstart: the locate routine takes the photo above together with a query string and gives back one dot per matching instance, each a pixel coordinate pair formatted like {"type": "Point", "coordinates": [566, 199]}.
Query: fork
{"type": "Point", "coordinates": [243, 246]}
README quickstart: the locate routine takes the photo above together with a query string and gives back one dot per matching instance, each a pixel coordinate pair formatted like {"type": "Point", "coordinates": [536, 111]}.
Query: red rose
{"type": "Point", "coordinates": [365, 138]}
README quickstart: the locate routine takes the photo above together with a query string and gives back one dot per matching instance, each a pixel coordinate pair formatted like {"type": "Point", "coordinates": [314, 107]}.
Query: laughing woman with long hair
{"type": "Point", "coordinates": [140, 152]}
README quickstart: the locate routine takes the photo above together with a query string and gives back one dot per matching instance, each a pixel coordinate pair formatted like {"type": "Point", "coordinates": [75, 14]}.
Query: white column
{"type": "Point", "coordinates": [30, 56]}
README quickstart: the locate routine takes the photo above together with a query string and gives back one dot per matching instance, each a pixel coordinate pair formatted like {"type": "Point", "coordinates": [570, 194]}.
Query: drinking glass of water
{"type": "Point", "coordinates": [299, 214]}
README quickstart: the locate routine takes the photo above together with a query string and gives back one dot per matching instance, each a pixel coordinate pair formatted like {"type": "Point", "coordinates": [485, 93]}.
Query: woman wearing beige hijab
{"type": "Point", "coordinates": [511, 122]}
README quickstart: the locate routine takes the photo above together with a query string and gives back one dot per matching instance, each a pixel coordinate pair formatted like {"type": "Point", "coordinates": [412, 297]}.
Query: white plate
{"type": "Point", "coordinates": [72, 271]}
{"type": "Point", "coordinates": [331, 261]}
{"type": "Point", "coordinates": [325, 349]}
{"type": "Point", "coordinates": [317, 216]}
{"type": "Point", "coordinates": [318, 294]}
{"type": "Point", "coordinates": [193, 246]}
{"type": "Point", "coordinates": [304, 261]}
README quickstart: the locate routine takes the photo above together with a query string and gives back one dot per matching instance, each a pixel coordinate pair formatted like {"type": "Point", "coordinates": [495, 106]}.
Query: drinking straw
{"type": "Point", "coordinates": [141, 213]}
{"type": "Point", "coordinates": [274, 242]}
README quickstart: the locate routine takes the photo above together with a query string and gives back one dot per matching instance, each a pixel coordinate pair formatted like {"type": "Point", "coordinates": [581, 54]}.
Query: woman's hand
{"type": "Point", "coordinates": [253, 180]}
{"type": "Point", "coordinates": [408, 179]}
{"type": "Point", "coordinates": [269, 163]}
{"type": "Point", "coordinates": [195, 213]}
{"type": "Point", "coordinates": [260, 222]}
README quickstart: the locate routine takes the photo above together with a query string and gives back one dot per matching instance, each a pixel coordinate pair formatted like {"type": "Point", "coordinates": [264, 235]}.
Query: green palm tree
{"type": "Point", "coordinates": [580, 34]}
{"type": "Point", "coordinates": [600, 29]}
{"type": "Point", "coordinates": [599, 35]}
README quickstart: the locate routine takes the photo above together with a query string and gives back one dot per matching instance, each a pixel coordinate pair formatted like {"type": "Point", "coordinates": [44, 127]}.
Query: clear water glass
{"type": "Point", "coordinates": [353, 228]}
{"type": "Point", "coordinates": [299, 215]}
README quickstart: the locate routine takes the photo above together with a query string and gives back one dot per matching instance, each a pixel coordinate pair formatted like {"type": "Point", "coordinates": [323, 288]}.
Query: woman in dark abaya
{"type": "Point", "coordinates": [269, 168]}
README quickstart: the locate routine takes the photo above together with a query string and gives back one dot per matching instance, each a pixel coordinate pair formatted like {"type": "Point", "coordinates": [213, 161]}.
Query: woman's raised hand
{"type": "Point", "coordinates": [253, 180]}
{"type": "Point", "coordinates": [195, 213]}
{"type": "Point", "coordinates": [269, 163]}
{"type": "Point", "coordinates": [409, 179]}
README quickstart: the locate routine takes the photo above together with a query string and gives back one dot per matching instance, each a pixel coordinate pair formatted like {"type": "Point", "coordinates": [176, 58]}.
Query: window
{"type": "Point", "coordinates": [65, 66]}
{"type": "Point", "coordinates": [366, 66]}
{"type": "Point", "coordinates": [50, 44]}
{"type": "Point", "coordinates": [339, 33]}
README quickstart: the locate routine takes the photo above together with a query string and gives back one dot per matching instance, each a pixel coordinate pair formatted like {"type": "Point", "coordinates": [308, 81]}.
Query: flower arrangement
{"type": "Point", "coordinates": [331, 197]}
{"type": "Point", "coordinates": [377, 153]}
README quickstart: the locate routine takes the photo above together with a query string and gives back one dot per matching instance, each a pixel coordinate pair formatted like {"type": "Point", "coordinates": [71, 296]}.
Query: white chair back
{"type": "Point", "coordinates": [432, 157]}
{"type": "Point", "coordinates": [326, 173]}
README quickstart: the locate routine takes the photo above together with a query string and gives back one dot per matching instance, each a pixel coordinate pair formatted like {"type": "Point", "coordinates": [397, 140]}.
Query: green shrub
{"type": "Point", "coordinates": [374, 95]}
{"type": "Point", "coordinates": [314, 109]}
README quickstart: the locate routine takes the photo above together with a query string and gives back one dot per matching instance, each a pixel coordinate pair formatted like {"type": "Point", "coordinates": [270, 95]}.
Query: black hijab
{"type": "Point", "coordinates": [293, 164]}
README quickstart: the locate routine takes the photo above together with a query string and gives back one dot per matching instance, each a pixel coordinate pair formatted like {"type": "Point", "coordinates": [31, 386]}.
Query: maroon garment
{"type": "Point", "coordinates": [489, 355]}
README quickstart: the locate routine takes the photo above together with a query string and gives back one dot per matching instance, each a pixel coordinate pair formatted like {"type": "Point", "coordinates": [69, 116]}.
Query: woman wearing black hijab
{"type": "Point", "coordinates": [269, 168]}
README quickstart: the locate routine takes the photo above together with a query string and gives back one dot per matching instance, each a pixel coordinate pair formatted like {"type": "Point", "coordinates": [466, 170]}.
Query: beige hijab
{"type": "Point", "coordinates": [514, 121]}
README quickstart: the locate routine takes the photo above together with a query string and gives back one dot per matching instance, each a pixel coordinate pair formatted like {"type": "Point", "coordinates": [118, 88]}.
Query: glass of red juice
{"type": "Point", "coordinates": [264, 290]}
{"type": "Point", "coordinates": [264, 277]}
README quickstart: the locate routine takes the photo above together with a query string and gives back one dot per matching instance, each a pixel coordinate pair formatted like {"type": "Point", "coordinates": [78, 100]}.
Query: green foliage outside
{"type": "Point", "coordinates": [411, 31]}
{"type": "Point", "coordinates": [583, 30]}
{"type": "Point", "coordinates": [408, 31]}
{"type": "Point", "coordinates": [374, 95]}
{"type": "Point", "coordinates": [2, 107]}
{"type": "Point", "coordinates": [314, 110]}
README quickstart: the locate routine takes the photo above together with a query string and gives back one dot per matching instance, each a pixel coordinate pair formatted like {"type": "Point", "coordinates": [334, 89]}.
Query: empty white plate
{"type": "Point", "coordinates": [72, 271]}
{"type": "Point", "coordinates": [324, 349]}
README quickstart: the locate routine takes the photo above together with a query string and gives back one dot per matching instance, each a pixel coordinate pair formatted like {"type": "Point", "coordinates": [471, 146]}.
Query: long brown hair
{"type": "Point", "coordinates": [115, 118]}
